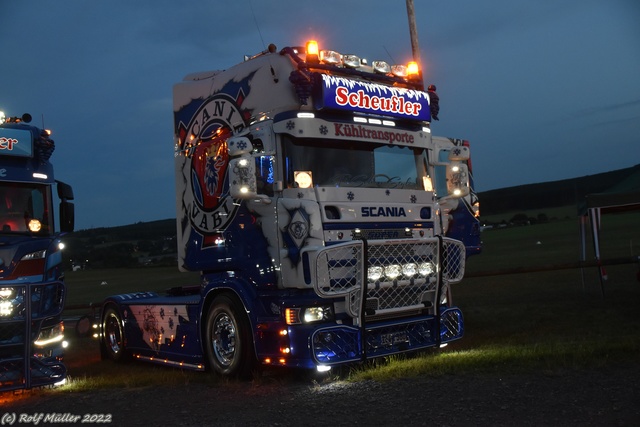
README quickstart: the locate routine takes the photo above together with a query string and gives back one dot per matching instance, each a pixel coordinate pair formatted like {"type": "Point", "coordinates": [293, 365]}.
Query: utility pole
{"type": "Point", "coordinates": [413, 31]}
{"type": "Point", "coordinates": [434, 100]}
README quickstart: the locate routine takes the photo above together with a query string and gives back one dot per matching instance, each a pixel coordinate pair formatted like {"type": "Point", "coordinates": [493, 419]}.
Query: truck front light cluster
{"type": "Point", "coordinates": [6, 308]}
{"type": "Point", "coordinates": [50, 335]}
{"type": "Point", "coordinates": [395, 271]}
{"type": "Point", "coordinates": [300, 315]}
{"type": "Point", "coordinates": [34, 255]}
{"type": "Point", "coordinates": [6, 301]}
{"type": "Point", "coordinates": [316, 314]}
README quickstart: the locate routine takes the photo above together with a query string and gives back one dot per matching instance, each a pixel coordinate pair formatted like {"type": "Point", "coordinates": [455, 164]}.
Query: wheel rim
{"type": "Point", "coordinates": [113, 334]}
{"type": "Point", "coordinates": [223, 339]}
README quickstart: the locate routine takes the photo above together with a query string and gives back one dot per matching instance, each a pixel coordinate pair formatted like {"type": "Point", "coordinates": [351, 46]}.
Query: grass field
{"type": "Point", "coordinates": [557, 213]}
{"type": "Point", "coordinates": [546, 320]}
{"type": "Point", "coordinates": [92, 286]}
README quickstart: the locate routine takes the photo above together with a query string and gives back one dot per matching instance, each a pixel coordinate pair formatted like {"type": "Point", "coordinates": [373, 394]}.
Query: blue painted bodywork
{"type": "Point", "coordinates": [246, 253]}
{"type": "Point", "coordinates": [32, 292]}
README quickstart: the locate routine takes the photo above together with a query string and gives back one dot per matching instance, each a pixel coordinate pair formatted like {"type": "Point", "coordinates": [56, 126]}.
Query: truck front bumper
{"type": "Point", "coordinates": [341, 344]}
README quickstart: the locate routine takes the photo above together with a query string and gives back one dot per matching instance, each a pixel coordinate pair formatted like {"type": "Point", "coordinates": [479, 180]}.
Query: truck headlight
{"type": "Point", "coordinates": [34, 255]}
{"type": "Point", "coordinates": [6, 301]}
{"type": "Point", "coordinates": [316, 314]}
{"type": "Point", "coordinates": [392, 271]}
{"type": "Point", "coordinates": [10, 301]}
{"type": "Point", "coordinates": [50, 335]}
{"type": "Point", "coordinates": [299, 315]}
{"type": "Point", "coordinates": [375, 273]}
{"type": "Point", "coordinates": [426, 268]}
{"type": "Point", "coordinates": [409, 270]}
{"type": "Point", "coordinates": [397, 271]}
{"type": "Point", "coordinates": [6, 308]}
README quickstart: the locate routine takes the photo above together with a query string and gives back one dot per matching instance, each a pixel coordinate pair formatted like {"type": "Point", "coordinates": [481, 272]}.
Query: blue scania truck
{"type": "Point", "coordinates": [327, 223]}
{"type": "Point", "coordinates": [32, 290]}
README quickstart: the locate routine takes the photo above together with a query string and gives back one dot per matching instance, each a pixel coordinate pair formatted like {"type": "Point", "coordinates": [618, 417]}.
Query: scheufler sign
{"type": "Point", "coordinates": [346, 94]}
{"type": "Point", "coordinates": [16, 142]}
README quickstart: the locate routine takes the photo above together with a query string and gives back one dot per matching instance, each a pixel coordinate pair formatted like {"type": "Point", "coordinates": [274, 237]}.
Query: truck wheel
{"type": "Point", "coordinates": [112, 343]}
{"type": "Point", "coordinates": [228, 340]}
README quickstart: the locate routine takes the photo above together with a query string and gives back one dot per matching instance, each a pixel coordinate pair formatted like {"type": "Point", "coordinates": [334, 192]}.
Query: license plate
{"type": "Point", "coordinates": [394, 338]}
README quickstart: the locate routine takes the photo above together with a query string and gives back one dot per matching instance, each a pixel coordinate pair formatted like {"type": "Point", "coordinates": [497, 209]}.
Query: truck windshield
{"type": "Point", "coordinates": [334, 163]}
{"type": "Point", "coordinates": [25, 208]}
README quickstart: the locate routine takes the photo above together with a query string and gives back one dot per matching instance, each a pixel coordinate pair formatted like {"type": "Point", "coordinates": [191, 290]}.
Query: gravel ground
{"type": "Point", "coordinates": [608, 397]}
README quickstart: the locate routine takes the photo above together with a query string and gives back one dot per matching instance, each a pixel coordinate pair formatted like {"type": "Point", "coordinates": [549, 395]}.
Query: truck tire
{"type": "Point", "coordinates": [228, 340]}
{"type": "Point", "coordinates": [112, 344]}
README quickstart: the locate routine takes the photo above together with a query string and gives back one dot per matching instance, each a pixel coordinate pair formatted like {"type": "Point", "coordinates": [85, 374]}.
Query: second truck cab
{"type": "Point", "coordinates": [32, 290]}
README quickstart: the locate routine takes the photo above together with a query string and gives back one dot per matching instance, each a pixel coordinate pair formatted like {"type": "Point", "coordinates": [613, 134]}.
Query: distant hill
{"type": "Point", "coordinates": [568, 192]}
{"type": "Point", "coordinates": [137, 231]}
{"type": "Point", "coordinates": [142, 243]}
{"type": "Point", "coordinates": [154, 243]}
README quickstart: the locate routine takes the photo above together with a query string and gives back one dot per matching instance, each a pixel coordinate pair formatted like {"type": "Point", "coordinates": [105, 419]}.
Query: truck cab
{"type": "Point", "coordinates": [32, 290]}
{"type": "Point", "coordinates": [307, 200]}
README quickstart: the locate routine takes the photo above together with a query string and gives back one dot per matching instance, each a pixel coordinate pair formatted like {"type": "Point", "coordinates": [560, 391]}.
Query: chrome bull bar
{"type": "Point", "coordinates": [394, 291]}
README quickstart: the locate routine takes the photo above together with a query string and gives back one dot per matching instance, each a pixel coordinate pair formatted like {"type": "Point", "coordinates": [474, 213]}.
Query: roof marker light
{"type": "Point", "coordinates": [306, 115]}
{"type": "Point", "coordinates": [40, 175]}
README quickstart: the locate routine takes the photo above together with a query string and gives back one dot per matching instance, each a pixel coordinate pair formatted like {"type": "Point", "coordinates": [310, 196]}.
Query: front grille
{"type": "Point", "coordinates": [341, 270]}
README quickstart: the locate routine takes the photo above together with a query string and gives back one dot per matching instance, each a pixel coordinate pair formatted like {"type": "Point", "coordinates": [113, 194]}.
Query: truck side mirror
{"type": "Point", "coordinates": [457, 179]}
{"type": "Point", "coordinates": [65, 192]}
{"type": "Point", "coordinates": [67, 216]}
{"type": "Point", "coordinates": [242, 176]}
{"type": "Point", "coordinates": [242, 170]}
{"type": "Point", "coordinates": [67, 209]}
